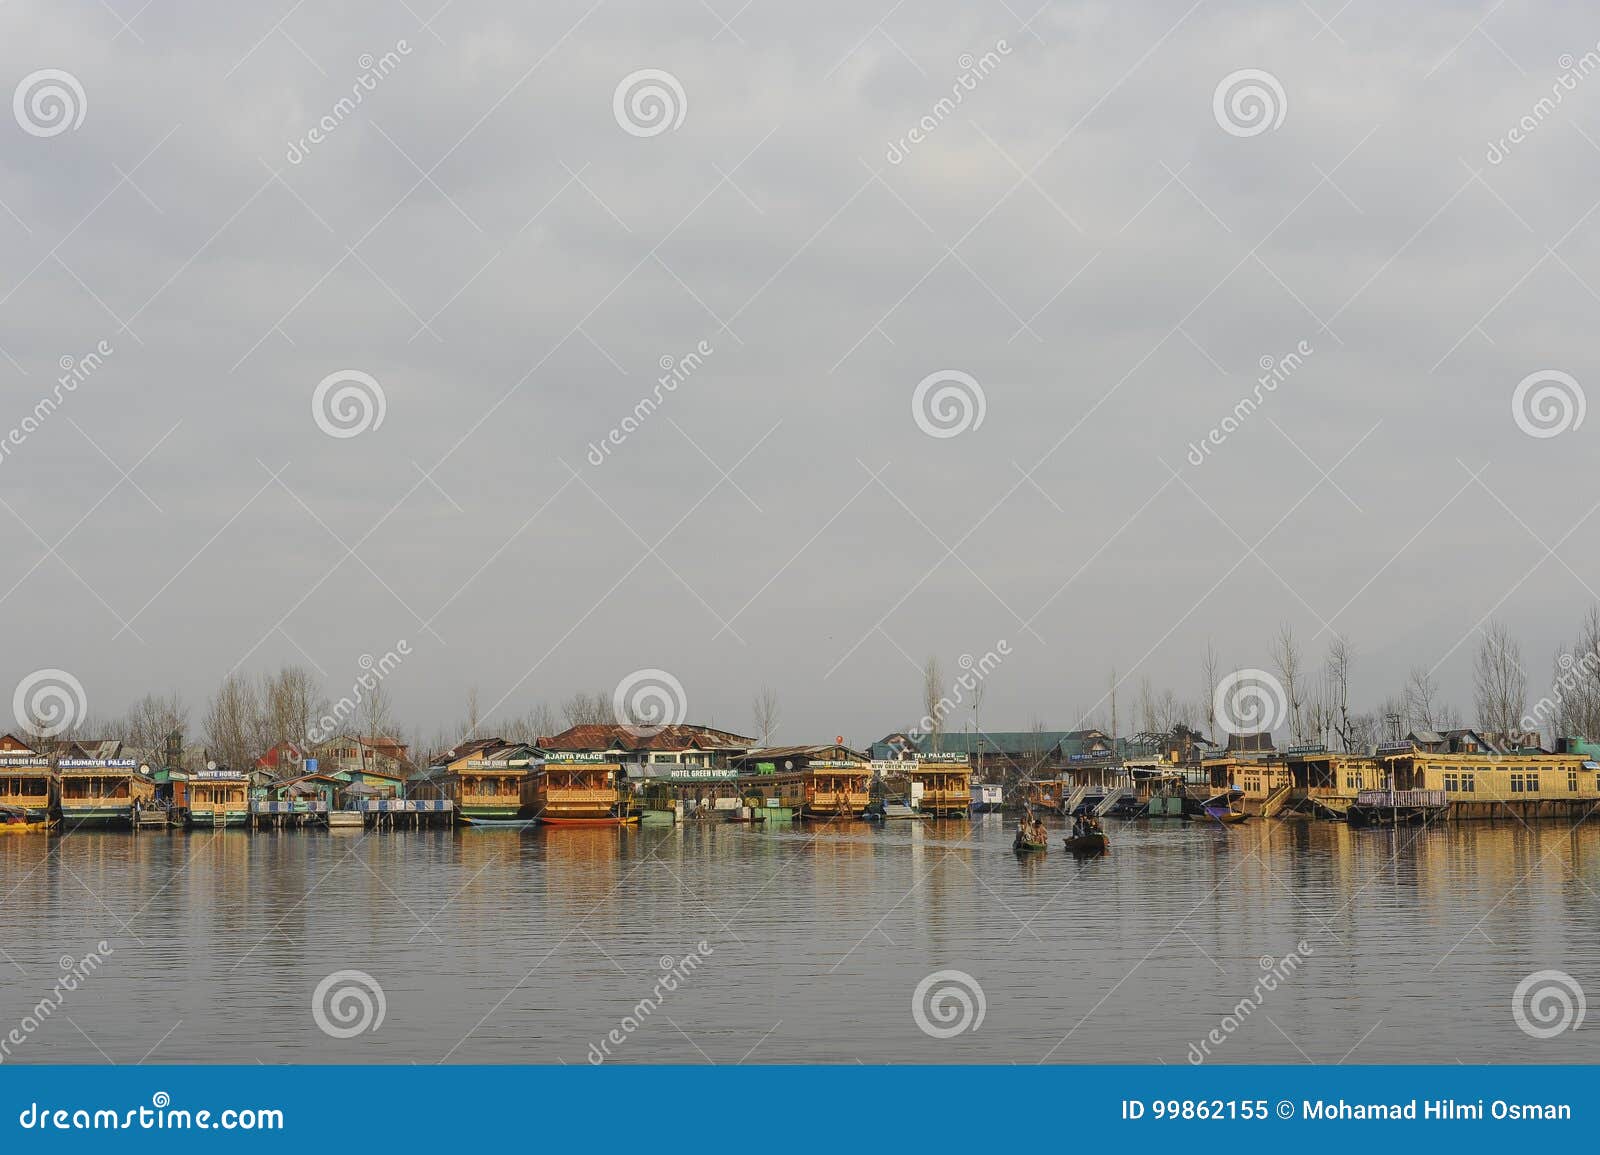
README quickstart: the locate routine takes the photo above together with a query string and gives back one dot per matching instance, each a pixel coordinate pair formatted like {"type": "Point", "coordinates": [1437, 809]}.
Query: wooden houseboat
{"type": "Point", "coordinates": [103, 791]}
{"type": "Point", "coordinates": [940, 786]}
{"type": "Point", "coordinates": [217, 798]}
{"type": "Point", "coordinates": [573, 789]}
{"type": "Point", "coordinates": [486, 780]}
{"type": "Point", "coordinates": [28, 783]}
{"type": "Point", "coordinates": [666, 774]}
{"type": "Point", "coordinates": [829, 780]}
{"type": "Point", "coordinates": [1489, 784]}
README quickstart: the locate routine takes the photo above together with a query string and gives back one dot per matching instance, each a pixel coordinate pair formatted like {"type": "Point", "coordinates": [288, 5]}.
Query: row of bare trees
{"type": "Point", "coordinates": [1319, 694]}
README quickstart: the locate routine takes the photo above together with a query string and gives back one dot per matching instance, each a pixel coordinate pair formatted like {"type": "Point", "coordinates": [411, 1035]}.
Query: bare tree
{"type": "Point", "coordinates": [765, 706]}
{"type": "Point", "coordinates": [932, 695]}
{"type": "Point", "coordinates": [1500, 687]}
{"type": "Point", "coordinates": [1340, 656]}
{"type": "Point", "coordinates": [1209, 665]}
{"type": "Point", "coordinates": [1286, 658]}
{"type": "Point", "coordinates": [470, 723]}
{"type": "Point", "coordinates": [539, 722]}
{"type": "Point", "coordinates": [156, 723]}
{"type": "Point", "coordinates": [588, 709]}
{"type": "Point", "coordinates": [376, 718]}
{"type": "Point", "coordinates": [233, 726]}
{"type": "Point", "coordinates": [294, 705]}
{"type": "Point", "coordinates": [1422, 700]}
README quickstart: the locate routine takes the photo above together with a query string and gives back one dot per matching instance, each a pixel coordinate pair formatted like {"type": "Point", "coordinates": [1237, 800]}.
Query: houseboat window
{"type": "Point", "coordinates": [1452, 782]}
{"type": "Point", "coordinates": [1572, 781]}
{"type": "Point", "coordinates": [1518, 782]}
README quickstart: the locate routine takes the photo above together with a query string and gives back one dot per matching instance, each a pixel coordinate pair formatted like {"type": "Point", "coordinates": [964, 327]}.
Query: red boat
{"type": "Point", "coordinates": [610, 820]}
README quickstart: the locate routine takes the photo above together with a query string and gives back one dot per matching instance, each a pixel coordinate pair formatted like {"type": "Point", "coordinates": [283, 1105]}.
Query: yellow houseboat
{"type": "Point", "coordinates": [218, 798]}
{"type": "Point", "coordinates": [486, 780]}
{"type": "Point", "coordinates": [942, 788]}
{"type": "Point", "coordinates": [1510, 785]}
{"type": "Point", "coordinates": [102, 791]}
{"type": "Point", "coordinates": [28, 789]}
{"type": "Point", "coordinates": [580, 789]}
{"type": "Point", "coordinates": [836, 788]}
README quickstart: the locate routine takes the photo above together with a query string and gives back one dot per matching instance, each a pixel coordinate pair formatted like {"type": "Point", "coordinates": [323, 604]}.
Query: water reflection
{"type": "Point", "coordinates": [510, 946]}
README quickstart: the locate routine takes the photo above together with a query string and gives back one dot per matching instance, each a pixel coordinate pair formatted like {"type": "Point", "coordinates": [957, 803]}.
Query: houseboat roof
{"type": "Point", "coordinates": [615, 736]}
{"type": "Point", "coordinates": [1061, 743]}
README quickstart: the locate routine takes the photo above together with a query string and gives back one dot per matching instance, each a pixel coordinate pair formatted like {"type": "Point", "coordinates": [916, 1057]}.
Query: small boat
{"type": "Point", "coordinates": [1024, 845]}
{"type": "Point", "coordinates": [1095, 842]}
{"type": "Point", "coordinates": [498, 823]}
{"type": "Point", "coordinates": [16, 820]}
{"type": "Point", "coordinates": [1220, 808]}
{"type": "Point", "coordinates": [609, 820]}
{"type": "Point", "coordinates": [40, 827]}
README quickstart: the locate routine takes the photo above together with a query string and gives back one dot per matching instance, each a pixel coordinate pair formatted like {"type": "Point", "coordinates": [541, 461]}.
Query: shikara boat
{"type": "Point", "coordinates": [1094, 842]}
{"type": "Point", "coordinates": [1213, 812]}
{"type": "Point", "coordinates": [16, 820]}
{"type": "Point", "coordinates": [498, 823]}
{"type": "Point", "coordinates": [608, 820]}
{"type": "Point", "coordinates": [1022, 844]}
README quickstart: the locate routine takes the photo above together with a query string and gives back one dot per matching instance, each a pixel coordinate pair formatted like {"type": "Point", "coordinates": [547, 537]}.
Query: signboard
{"type": "Point", "coordinates": [882, 767]}
{"type": "Point", "coordinates": [916, 791]}
{"type": "Point", "coordinates": [23, 760]}
{"type": "Point", "coordinates": [493, 764]}
{"type": "Point", "coordinates": [1395, 748]}
{"type": "Point", "coordinates": [98, 764]}
{"type": "Point", "coordinates": [772, 803]}
{"type": "Point", "coordinates": [311, 765]}
{"type": "Point", "coordinates": [843, 764]}
{"type": "Point", "coordinates": [698, 774]}
{"type": "Point", "coordinates": [577, 756]}
{"type": "Point", "coordinates": [203, 774]}
{"type": "Point", "coordinates": [1309, 748]}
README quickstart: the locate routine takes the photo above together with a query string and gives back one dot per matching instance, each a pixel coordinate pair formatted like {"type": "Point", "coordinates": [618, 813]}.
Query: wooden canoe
{"type": "Point", "coordinates": [1024, 846]}
{"type": "Point", "coordinates": [609, 820]}
{"type": "Point", "coordinates": [1095, 843]}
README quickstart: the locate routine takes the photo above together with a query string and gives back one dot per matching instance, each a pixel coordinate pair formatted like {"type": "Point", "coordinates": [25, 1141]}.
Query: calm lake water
{"type": "Point", "coordinates": [504, 946]}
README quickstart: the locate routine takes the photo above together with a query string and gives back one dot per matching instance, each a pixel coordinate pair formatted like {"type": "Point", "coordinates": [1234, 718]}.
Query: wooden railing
{"type": "Point", "coordinates": [1395, 799]}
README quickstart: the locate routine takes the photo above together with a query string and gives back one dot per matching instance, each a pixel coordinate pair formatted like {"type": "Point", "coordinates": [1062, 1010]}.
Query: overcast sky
{"type": "Point", "coordinates": [1087, 235]}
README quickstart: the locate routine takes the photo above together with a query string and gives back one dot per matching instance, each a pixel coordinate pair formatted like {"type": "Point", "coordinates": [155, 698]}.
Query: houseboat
{"type": "Point", "coordinates": [836, 788]}
{"type": "Point", "coordinates": [28, 787]}
{"type": "Point", "coordinates": [218, 798]}
{"type": "Point", "coordinates": [486, 780]}
{"type": "Point", "coordinates": [1488, 783]}
{"type": "Point", "coordinates": [574, 789]}
{"type": "Point", "coordinates": [103, 791]}
{"type": "Point", "coordinates": [940, 786]}
{"type": "Point", "coordinates": [667, 774]}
